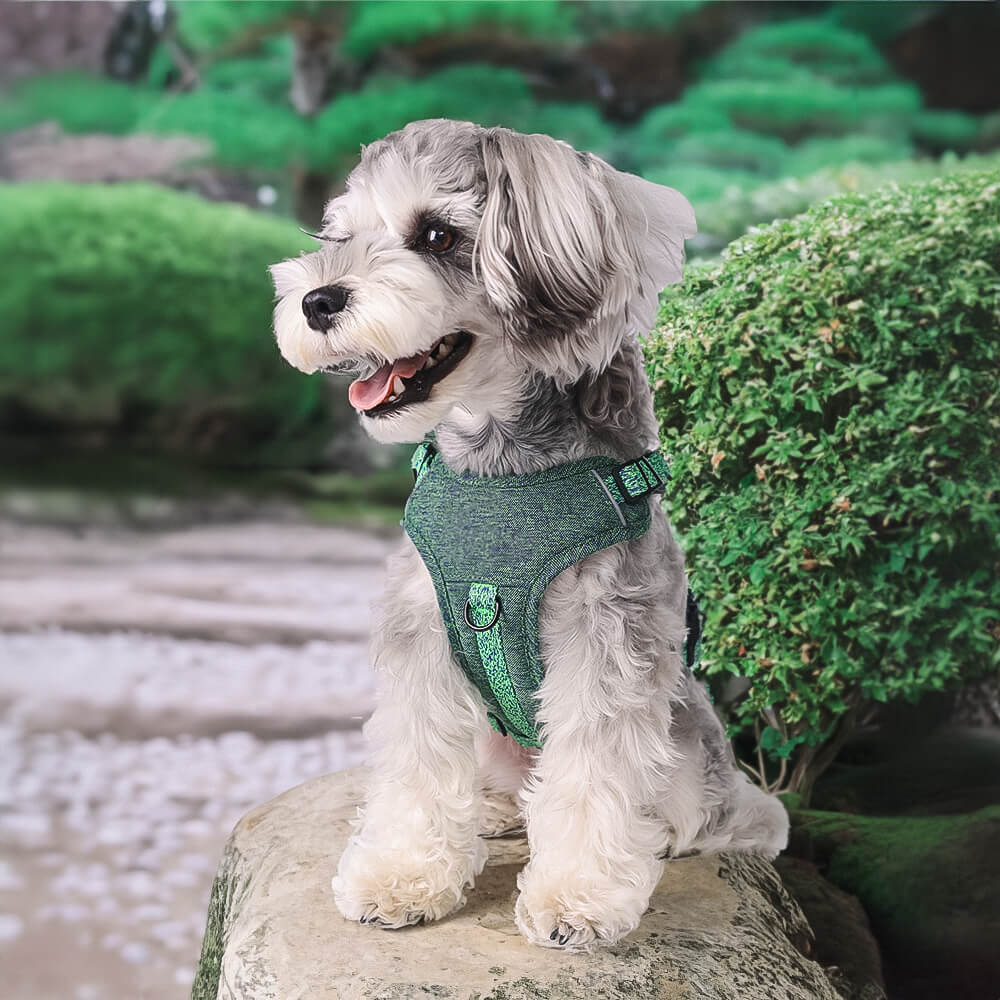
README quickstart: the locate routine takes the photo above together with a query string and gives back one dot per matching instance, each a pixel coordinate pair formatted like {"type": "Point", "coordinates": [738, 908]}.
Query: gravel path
{"type": "Point", "coordinates": [153, 687]}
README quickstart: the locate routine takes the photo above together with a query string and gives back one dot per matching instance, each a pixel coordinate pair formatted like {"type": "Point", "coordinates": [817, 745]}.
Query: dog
{"type": "Point", "coordinates": [490, 287]}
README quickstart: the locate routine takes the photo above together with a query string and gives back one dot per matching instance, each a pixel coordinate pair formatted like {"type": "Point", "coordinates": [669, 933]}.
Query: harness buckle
{"type": "Point", "coordinates": [652, 479]}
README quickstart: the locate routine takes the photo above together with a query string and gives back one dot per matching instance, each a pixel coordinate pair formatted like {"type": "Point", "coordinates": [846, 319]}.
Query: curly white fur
{"type": "Point", "coordinates": [556, 267]}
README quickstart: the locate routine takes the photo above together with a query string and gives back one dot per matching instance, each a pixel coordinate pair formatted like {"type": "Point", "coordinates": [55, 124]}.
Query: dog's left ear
{"type": "Point", "coordinates": [568, 245]}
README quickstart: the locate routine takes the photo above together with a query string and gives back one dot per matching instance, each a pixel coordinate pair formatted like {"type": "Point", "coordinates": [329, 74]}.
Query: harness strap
{"type": "Point", "coordinates": [629, 483]}
{"type": "Point", "coordinates": [420, 460]}
{"type": "Point", "coordinates": [635, 480]}
{"type": "Point", "coordinates": [482, 615]}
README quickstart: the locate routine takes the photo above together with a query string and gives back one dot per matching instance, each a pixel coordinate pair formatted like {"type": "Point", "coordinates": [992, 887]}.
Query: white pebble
{"type": "Point", "coordinates": [10, 926]}
{"type": "Point", "coordinates": [135, 953]}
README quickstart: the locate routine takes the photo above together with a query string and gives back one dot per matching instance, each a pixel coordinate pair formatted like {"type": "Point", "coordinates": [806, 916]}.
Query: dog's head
{"type": "Point", "coordinates": [462, 261]}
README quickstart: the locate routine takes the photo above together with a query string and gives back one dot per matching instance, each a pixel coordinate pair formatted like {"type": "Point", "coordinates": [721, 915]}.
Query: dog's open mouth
{"type": "Point", "coordinates": [409, 380]}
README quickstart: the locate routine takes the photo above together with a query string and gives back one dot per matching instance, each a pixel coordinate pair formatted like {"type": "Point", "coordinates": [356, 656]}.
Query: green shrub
{"type": "Point", "coordinates": [817, 154]}
{"type": "Point", "coordinates": [947, 130]}
{"type": "Point", "coordinates": [792, 111]}
{"type": "Point", "coordinates": [137, 309]}
{"type": "Point", "coordinates": [829, 51]}
{"type": "Point", "coordinates": [244, 130]}
{"type": "Point", "coordinates": [730, 149]}
{"type": "Point", "coordinates": [727, 212]}
{"type": "Point", "coordinates": [830, 398]}
{"type": "Point", "coordinates": [704, 185]}
{"type": "Point", "coordinates": [485, 94]}
{"type": "Point", "coordinates": [377, 25]}
{"type": "Point", "coordinates": [80, 103]}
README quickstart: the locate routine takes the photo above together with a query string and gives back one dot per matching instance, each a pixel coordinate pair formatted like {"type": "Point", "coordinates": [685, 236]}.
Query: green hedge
{"type": "Point", "coordinates": [137, 309]}
{"type": "Point", "coordinates": [726, 211]}
{"type": "Point", "coordinates": [830, 398]}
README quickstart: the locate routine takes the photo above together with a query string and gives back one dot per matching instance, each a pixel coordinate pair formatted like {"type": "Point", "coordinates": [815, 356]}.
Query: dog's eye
{"type": "Point", "coordinates": [437, 238]}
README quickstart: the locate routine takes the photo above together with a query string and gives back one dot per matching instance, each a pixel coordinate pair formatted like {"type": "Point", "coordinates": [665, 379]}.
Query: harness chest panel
{"type": "Point", "coordinates": [493, 544]}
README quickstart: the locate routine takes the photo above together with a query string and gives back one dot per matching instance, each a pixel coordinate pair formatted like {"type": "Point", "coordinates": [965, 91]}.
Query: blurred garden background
{"type": "Point", "coordinates": [191, 531]}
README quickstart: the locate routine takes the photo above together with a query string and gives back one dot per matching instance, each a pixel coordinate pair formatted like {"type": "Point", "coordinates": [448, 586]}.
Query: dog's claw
{"type": "Point", "coordinates": [563, 938]}
{"type": "Point", "coordinates": [554, 934]}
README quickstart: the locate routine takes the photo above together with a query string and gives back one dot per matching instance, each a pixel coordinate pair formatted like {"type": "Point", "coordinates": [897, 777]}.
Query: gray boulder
{"type": "Point", "coordinates": [718, 927]}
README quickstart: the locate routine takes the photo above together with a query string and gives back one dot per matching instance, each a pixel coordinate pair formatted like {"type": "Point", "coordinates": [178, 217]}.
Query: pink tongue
{"type": "Point", "coordinates": [367, 393]}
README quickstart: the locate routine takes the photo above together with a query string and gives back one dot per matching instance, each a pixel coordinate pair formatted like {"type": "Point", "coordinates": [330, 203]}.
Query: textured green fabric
{"type": "Point", "coordinates": [635, 479]}
{"type": "Point", "coordinates": [483, 611]}
{"type": "Point", "coordinates": [489, 541]}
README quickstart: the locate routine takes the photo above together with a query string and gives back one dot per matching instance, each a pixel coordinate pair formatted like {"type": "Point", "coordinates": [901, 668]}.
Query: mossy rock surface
{"type": "Point", "coordinates": [718, 927]}
{"type": "Point", "coordinates": [929, 886]}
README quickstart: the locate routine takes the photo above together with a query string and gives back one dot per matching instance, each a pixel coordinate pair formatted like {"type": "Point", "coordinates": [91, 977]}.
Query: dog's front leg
{"type": "Point", "coordinates": [417, 850]}
{"type": "Point", "coordinates": [605, 709]}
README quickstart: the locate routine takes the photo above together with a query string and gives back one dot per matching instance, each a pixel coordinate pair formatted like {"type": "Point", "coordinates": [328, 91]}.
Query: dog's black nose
{"type": "Point", "coordinates": [321, 306]}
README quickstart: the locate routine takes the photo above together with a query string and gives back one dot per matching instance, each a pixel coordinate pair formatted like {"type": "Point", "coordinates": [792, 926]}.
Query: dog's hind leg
{"type": "Point", "coordinates": [417, 849]}
{"type": "Point", "coordinates": [503, 770]}
{"type": "Point", "coordinates": [709, 803]}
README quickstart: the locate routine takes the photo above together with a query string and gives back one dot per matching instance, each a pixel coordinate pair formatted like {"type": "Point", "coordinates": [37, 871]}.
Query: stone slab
{"type": "Point", "coordinates": [718, 927]}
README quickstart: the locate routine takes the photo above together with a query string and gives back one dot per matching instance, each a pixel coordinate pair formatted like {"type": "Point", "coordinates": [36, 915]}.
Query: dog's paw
{"type": "Point", "coordinates": [397, 889]}
{"type": "Point", "coordinates": [575, 911]}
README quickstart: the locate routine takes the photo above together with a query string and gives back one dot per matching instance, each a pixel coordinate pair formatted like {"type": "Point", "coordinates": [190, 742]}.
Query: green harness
{"type": "Point", "coordinates": [493, 544]}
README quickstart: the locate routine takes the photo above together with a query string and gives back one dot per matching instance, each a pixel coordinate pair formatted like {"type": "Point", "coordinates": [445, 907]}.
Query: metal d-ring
{"type": "Point", "coordinates": [482, 628]}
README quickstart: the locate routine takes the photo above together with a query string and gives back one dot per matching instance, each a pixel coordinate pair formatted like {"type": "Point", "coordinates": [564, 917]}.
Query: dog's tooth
{"type": "Point", "coordinates": [444, 350]}
{"type": "Point", "coordinates": [430, 362]}
{"type": "Point", "coordinates": [397, 385]}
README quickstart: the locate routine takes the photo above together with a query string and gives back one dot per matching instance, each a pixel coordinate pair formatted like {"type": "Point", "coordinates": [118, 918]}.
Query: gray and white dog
{"type": "Point", "coordinates": [491, 286]}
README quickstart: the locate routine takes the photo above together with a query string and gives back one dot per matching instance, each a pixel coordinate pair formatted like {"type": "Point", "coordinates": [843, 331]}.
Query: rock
{"type": "Point", "coordinates": [929, 886]}
{"type": "Point", "coordinates": [718, 927]}
{"type": "Point", "coordinates": [844, 939]}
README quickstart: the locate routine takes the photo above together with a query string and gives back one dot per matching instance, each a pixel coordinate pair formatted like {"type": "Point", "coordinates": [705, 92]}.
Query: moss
{"type": "Point", "coordinates": [928, 883]}
{"type": "Point", "coordinates": [206, 980]}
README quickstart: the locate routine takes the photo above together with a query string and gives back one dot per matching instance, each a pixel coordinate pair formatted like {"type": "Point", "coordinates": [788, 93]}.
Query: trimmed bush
{"type": "Point", "coordinates": [829, 396]}
{"type": "Point", "coordinates": [134, 309]}
{"type": "Point", "coordinates": [727, 211]}
{"type": "Point", "coordinates": [770, 51]}
{"type": "Point", "coordinates": [788, 109]}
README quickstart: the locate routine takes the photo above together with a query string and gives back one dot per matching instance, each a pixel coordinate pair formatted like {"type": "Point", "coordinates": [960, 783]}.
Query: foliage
{"type": "Point", "coordinates": [788, 109]}
{"type": "Point", "coordinates": [136, 308]}
{"type": "Point", "coordinates": [365, 26]}
{"type": "Point", "coordinates": [731, 149]}
{"type": "Point", "coordinates": [211, 24]}
{"type": "Point", "coordinates": [946, 130]}
{"type": "Point", "coordinates": [389, 22]}
{"type": "Point", "coordinates": [830, 398]}
{"type": "Point", "coordinates": [484, 94]}
{"type": "Point", "coordinates": [732, 208]}
{"type": "Point", "coordinates": [787, 100]}
{"type": "Point", "coordinates": [597, 18]}
{"type": "Point", "coordinates": [249, 132]}
{"type": "Point", "coordinates": [266, 74]}
{"type": "Point", "coordinates": [819, 48]}
{"type": "Point", "coordinates": [80, 103]}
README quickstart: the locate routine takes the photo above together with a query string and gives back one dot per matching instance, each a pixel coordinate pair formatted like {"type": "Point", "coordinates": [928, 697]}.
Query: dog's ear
{"type": "Point", "coordinates": [567, 244]}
